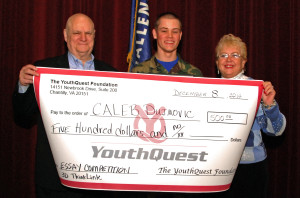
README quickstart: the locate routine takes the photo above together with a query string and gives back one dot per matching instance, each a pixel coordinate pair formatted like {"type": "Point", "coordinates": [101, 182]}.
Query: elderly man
{"type": "Point", "coordinates": [79, 35]}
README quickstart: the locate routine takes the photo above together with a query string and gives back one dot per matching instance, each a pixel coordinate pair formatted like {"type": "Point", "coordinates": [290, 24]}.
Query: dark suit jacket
{"type": "Point", "coordinates": [26, 114]}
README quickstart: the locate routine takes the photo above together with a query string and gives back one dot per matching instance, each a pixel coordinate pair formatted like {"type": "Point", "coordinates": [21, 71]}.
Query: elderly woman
{"type": "Point", "coordinates": [251, 177]}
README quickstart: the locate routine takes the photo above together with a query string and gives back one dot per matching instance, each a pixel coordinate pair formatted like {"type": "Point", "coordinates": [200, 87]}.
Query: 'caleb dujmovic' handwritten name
{"type": "Point", "coordinates": [123, 110]}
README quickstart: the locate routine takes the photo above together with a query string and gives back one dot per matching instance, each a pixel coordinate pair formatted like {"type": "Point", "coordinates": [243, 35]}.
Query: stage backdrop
{"type": "Point", "coordinates": [33, 29]}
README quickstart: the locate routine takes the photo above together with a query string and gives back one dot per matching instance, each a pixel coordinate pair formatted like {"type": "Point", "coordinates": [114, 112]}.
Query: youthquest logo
{"type": "Point", "coordinates": [149, 134]}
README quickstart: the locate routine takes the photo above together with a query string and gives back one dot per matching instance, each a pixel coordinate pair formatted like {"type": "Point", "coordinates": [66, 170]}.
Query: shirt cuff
{"type": "Point", "coordinates": [22, 88]}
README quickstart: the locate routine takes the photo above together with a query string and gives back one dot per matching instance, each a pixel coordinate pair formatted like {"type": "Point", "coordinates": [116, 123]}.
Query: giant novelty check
{"type": "Point", "coordinates": [144, 132]}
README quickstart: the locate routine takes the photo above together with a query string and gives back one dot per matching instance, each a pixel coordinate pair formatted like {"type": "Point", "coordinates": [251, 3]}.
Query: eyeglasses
{"type": "Point", "coordinates": [233, 55]}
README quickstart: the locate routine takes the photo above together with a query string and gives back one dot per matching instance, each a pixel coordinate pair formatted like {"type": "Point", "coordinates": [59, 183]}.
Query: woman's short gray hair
{"type": "Point", "coordinates": [231, 40]}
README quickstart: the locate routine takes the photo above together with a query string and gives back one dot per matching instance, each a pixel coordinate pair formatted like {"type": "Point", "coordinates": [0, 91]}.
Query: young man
{"type": "Point", "coordinates": [166, 60]}
{"type": "Point", "coordinates": [168, 33]}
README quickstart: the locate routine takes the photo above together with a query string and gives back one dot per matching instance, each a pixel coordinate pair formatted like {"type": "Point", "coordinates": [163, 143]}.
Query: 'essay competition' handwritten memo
{"type": "Point", "coordinates": [143, 132]}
